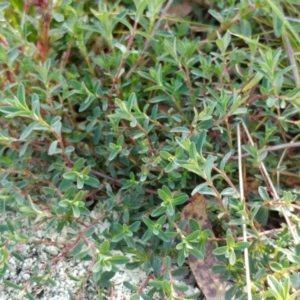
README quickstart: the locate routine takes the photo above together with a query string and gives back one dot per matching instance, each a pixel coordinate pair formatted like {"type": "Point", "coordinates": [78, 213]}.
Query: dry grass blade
{"type": "Point", "coordinates": [291, 57]}
{"type": "Point", "coordinates": [266, 174]}
{"type": "Point", "coordinates": [246, 253]}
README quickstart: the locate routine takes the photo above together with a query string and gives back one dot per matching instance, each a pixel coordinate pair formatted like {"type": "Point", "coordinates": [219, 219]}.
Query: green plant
{"type": "Point", "coordinates": [111, 111]}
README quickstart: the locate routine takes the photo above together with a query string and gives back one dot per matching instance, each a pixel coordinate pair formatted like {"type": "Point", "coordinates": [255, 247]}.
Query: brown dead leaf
{"type": "Point", "coordinates": [211, 284]}
{"type": "Point", "coordinates": [292, 181]}
{"type": "Point", "coordinates": [251, 184]}
{"type": "Point", "coordinates": [180, 10]}
{"type": "Point", "coordinates": [183, 9]}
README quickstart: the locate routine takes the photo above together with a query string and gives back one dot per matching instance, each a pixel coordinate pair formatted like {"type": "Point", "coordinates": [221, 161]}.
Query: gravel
{"type": "Point", "coordinates": [37, 256]}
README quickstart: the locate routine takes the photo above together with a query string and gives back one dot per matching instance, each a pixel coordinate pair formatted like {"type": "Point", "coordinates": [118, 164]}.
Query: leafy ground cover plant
{"type": "Point", "coordinates": [118, 111]}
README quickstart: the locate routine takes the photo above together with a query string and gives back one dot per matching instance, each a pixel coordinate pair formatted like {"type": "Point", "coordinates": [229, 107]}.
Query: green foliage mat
{"type": "Point", "coordinates": [119, 111]}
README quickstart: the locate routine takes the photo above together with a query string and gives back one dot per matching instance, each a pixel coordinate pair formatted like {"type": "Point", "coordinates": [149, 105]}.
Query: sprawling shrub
{"type": "Point", "coordinates": [119, 111]}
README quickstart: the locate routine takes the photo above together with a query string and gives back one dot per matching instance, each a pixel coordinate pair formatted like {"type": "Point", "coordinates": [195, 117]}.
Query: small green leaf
{"type": "Point", "coordinates": [78, 164]}
{"type": "Point", "coordinates": [53, 148]}
{"type": "Point", "coordinates": [241, 246]}
{"type": "Point", "coordinates": [276, 267]}
{"type": "Point", "coordinates": [104, 247]}
{"type": "Point", "coordinates": [93, 182]}
{"type": "Point", "coordinates": [119, 259]}
{"type": "Point", "coordinates": [232, 257]}
{"type": "Point", "coordinates": [147, 235]}
{"type": "Point", "coordinates": [181, 129]}
{"type": "Point", "coordinates": [163, 236]}
{"type": "Point", "coordinates": [163, 195]}
{"type": "Point", "coordinates": [158, 211]}
{"type": "Point", "coordinates": [21, 97]}
{"type": "Point", "coordinates": [13, 285]}
{"type": "Point", "coordinates": [18, 256]}
{"type": "Point", "coordinates": [58, 17]}
{"type": "Point", "coordinates": [70, 175]}
{"type": "Point", "coordinates": [220, 251]}
{"type": "Point", "coordinates": [75, 211]}
{"type": "Point", "coordinates": [82, 254]}
{"type": "Point", "coordinates": [118, 237]}
{"type": "Point", "coordinates": [180, 199]}
{"type": "Point", "coordinates": [97, 267]}
{"type": "Point", "coordinates": [131, 287]}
